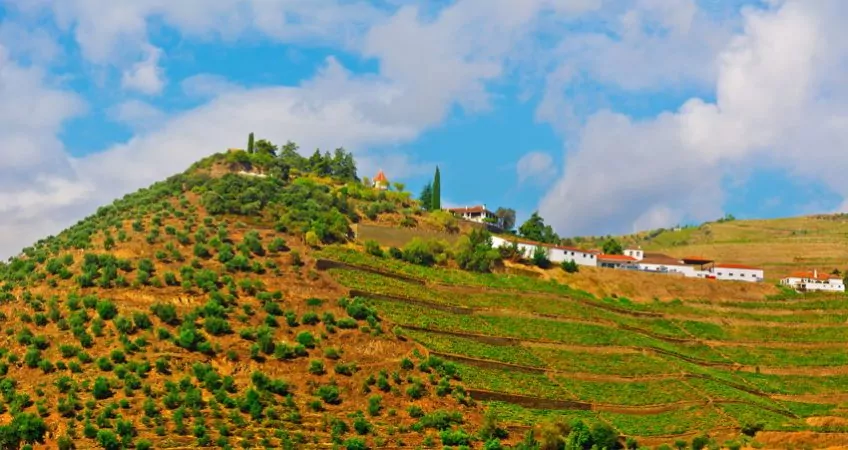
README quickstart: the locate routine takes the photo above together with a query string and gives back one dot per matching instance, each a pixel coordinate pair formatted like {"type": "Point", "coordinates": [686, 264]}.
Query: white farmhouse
{"type": "Point", "coordinates": [659, 262]}
{"type": "Point", "coordinates": [556, 254]}
{"type": "Point", "coordinates": [814, 281]}
{"type": "Point", "coordinates": [478, 214]}
{"type": "Point", "coordinates": [737, 272]}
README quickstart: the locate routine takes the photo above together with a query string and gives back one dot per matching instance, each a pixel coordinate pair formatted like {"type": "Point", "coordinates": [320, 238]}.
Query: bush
{"type": "Point", "coordinates": [355, 444]}
{"type": "Point", "coordinates": [375, 405]}
{"type": "Point", "coordinates": [316, 367]}
{"type": "Point", "coordinates": [345, 369]}
{"type": "Point", "coordinates": [476, 253]}
{"type": "Point", "coordinates": [106, 309]}
{"type": "Point", "coordinates": [373, 248]}
{"type": "Point", "coordinates": [329, 394]}
{"type": "Point", "coordinates": [306, 339]}
{"type": "Point", "coordinates": [540, 258]}
{"type": "Point", "coordinates": [455, 437]}
{"type": "Point", "coordinates": [419, 252]}
{"type": "Point", "coordinates": [101, 389]}
{"type": "Point", "coordinates": [570, 266]}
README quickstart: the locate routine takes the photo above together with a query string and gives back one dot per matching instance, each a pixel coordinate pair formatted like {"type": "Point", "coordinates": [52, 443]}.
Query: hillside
{"type": "Point", "coordinates": [227, 307]}
{"type": "Point", "coordinates": [659, 372]}
{"type": "Point", "coordinates": [780, 246]}
{"type": "Point", "coordinates": [190, 313]}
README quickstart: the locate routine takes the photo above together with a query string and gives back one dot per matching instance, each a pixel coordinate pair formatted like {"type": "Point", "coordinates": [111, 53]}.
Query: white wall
{"type": "Point", "coordinates": [751, 275]}
{"type": "Point", "coordinates": [555, 255]}
{"type": "Point", "coordinates": [634, 253]}
{"type": "Point", "coordinates": [832, 285]}
{"type": "Point", "coordinates": [685, 270]}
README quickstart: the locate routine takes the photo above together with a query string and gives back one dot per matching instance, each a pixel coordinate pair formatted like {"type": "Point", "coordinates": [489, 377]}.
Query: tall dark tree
{"type": "Point", "coordinates": [265, 147]}
{"type": "Point", "coordinates": [319, 164]}
{"type": "Point", "coordinates": [507, 217]}
{"type": "Point", "coordinates": [343, 165]}
{"type": "Point", "coordinates": [250, 143]}
{"type": "Point", "coordinates": [536, 230]}
{"type": "Point", "coordinates": [436, 200]}
{"type": "Point", "coordinates": [426, 197]}
{"type": "Point", "coordinates": [613, 247]}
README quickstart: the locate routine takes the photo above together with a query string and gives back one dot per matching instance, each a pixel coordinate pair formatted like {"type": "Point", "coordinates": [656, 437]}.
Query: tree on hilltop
{"type": "Point", "coordinates": [436, 200]}
{"type": "Point", "coordinates": [250, 143]}
{"type": "Point", "coordinates": [265, 147]}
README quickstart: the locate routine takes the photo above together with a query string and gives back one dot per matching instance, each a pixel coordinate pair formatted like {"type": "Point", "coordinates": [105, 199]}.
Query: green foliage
{"type": "Point", "coordinates": [476, 253]}
{"type": "Point", "coordinates": [373, 248]}
{"type": "Point", "coordinates": [436, 196]}
{"type": "Point", "coordinates": [101, 389]}
{"type": "Point", "coordinates": [426, 196]}
{"type": "Point", "coordinates": [540, 257]}
{"type": "Point", "coordinates": [613, 247]}
{"type": "Point", "coordinates": [536, 230]}
{"type": "Point", "coordinates": [570, 266]}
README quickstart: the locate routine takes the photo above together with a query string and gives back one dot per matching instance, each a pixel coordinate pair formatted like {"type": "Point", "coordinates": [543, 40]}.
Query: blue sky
{"type": "Point", "coordinates": [606, 116]}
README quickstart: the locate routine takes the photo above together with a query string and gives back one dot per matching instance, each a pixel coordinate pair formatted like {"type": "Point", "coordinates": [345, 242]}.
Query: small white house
{"type": "Point", "coordinates": [737, 272]}
{"type": "Point", "coordinates": [814, 281]}
{"type": "Point", "coordinates": [380, 181]}
{"type": "Point", "coordinates": [478, 214]}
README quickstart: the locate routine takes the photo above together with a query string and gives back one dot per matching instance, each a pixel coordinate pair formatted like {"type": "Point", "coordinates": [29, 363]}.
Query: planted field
{"type": "Point", "coordinates": [648, 369]}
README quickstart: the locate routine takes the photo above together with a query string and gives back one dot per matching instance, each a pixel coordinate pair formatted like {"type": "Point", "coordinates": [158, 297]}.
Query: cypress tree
{"type": "Point", "coordinates": [250, 143]}
{"type": "Point", "coordinates": [437, 192]}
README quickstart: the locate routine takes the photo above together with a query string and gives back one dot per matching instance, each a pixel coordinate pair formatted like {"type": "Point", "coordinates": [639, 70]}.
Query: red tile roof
{"type": "Point", "coordinates": [381, 177]}
{"type": "Point", "coordinates": [696, 259]}
{"type": "Point", "coordinates": [809, 274]}
{"type": "Point", "coordinates": [623, 258]}
{"type": "Point", "coordinates": [736, 266]}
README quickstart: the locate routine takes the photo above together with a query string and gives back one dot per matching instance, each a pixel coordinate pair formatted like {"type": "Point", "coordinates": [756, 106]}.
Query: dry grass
{"type": "Point", "coordinates": [779, 246]}
{"type": "Point", "coordinates": [642, 286]}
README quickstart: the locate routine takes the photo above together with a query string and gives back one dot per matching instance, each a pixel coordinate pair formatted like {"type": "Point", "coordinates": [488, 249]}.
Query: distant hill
{"type": "Point", "coordinates": [780, 246]}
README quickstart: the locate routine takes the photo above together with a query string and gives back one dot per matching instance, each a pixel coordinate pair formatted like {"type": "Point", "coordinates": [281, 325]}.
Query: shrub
{"type": "Point", "coordinates": [455, 437]}
{"type": "Point", "coordinates": [355, 444]}
{"type": "Point", "coordinates": [476, 253]}
{"type": "Point", "coordinates": [310, 318]}
{"type": "Point", "coordinates": [101, 389]}
{"type": "Point", "coordinates": [106, 309]}
{"type": "Point", "coordinates": [540, 258]}
{"type": "Point", "coordinates": [306, 339]}
{"type": "Point", "coordinates": [375, 405]}
{"type": "Point", "coordinates": [373, 248]}
{"type": "Point", "coordinates": [329, 394]}
{"type": "Point", "coordinates": [570, 266]}
{"type": "Point", "coordinates": [316, 367]}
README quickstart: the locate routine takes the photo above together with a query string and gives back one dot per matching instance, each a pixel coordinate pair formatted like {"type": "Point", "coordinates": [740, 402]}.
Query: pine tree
{"type": "Point", "coordinates": [250, 143]}
{"type": "Point", "coordinates": [426, 197]}
{"type": "Point", "coordinates": [436, 201]}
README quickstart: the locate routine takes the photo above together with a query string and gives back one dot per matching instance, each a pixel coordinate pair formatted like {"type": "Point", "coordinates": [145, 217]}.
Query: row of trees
{"type": "Point", "coordinates": [340, 164]}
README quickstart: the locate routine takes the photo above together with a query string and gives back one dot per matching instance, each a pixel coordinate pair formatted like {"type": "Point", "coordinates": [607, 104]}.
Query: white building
{"type": "Point", "coordinates": [478, 214]}
{"type": "Point", "coordinates": [659, 262]}
{"type": "Point", "coordinates": [556, 254]}
{"type": "Point", "coordinates": [737, 272]}
{"type": "Point", "coordinates": [814, 281]}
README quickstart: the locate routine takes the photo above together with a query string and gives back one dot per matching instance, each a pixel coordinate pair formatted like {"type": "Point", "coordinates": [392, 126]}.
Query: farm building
{"type": "Point", "coordinates": [737, 272]}
{"type": "Point", "coordinates": [478, 214]}
{"type": "Point", "coordinates": [555, 253]}
{"type": "Point", "coordinates": [814, 281]}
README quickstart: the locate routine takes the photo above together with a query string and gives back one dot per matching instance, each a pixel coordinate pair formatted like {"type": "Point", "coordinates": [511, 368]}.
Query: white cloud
{"type": "Point", "coordinates": [36, 177]}
{"type": "Point", "coordinates": [145, 76]}
{"type": "Point", "coordinates": [537, 167]}
{"type": "Point", "coordinates": [781, 101]}
{"type": "Point", "coordinates": [36, 45]}
{"type": "Point", "coordinates": [138, 115]}
{"type": "Point", "coordinates": [206, 85]}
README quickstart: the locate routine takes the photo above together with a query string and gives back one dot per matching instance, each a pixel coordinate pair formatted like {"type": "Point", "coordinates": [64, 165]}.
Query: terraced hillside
{"type": "Point", "coordinates": [780, 246]}
{"type": "Point", "coordinates": [659, 372]}
{"type": "Point", "coordinates": [189, 314]}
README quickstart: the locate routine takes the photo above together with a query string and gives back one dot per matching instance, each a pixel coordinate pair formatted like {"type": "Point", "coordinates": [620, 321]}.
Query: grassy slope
{"type": "Point", "coordinates": [173, 396]}
{"type": "Point", "coordinates": [780, 246]}
{"type": "Point", "coordinates": [734, 364]}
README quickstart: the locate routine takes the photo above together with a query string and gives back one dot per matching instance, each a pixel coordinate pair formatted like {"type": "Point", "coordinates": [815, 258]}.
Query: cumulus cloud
{"type": "Point", "coordinates": [537, 167]}
{"type": "Point", "coordinates": [36, 176]}
{"type": "Point", "coordinates": [145, 76]}
{"type": "Point", "coordinates": [780, 95]}
{"type": "Point", "coordinates": [138, 115]}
